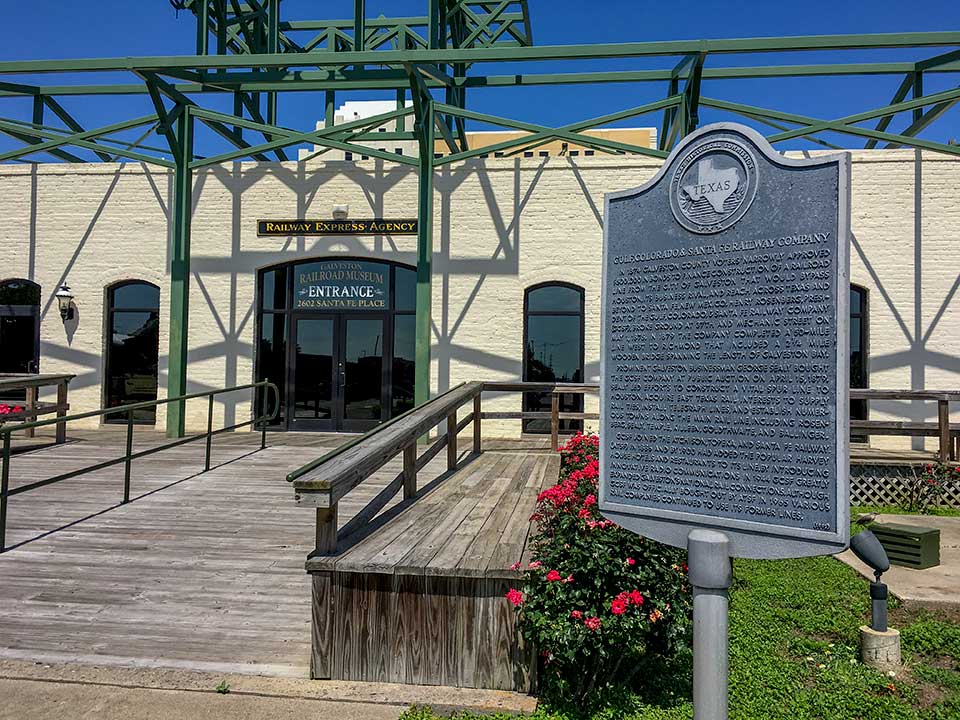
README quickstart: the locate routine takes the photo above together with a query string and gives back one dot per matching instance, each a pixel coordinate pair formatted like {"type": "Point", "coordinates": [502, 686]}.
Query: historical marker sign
{"type": "Point", "coordinates": [724, 348]}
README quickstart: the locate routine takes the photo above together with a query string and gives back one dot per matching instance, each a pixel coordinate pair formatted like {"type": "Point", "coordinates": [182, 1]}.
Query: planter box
{"type": "Point", "coordinates": [909, 545]}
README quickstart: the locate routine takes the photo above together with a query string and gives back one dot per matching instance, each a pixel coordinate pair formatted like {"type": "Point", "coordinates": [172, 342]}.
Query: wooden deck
{"type": "Point", "coordinates": [201, 571]}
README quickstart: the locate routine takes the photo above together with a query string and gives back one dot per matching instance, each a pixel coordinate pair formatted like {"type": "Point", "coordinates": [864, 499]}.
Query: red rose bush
{"type": "Point", "coordinates": [603, 607]}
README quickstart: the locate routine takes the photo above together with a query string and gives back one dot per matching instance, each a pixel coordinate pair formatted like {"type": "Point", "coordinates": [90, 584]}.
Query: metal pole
{"type": "Point", "coordinates": [126, 464]}
{"type": "Point", "coordinates": [424, 129]}
{"type": "Point", "coordinates": [263, 419]}
{"type": "Point", "coordinates": [4, 489]}
{"type": "Point", "coordinates": [180, 275]}
{"type": "Point", "coordinates": [206, 462]}
{"type": "Point", "coordinates": [710, 575]}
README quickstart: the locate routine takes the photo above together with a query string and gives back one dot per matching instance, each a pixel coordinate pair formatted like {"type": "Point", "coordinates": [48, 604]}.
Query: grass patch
{"type": "Point", "coordinates": [794, 655]}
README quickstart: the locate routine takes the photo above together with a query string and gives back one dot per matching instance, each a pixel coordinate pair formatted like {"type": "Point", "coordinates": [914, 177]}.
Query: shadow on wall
{"type": "Point", "coordinates": [918, 357]}
{"type": "Point", "coordinates": [234, 322]}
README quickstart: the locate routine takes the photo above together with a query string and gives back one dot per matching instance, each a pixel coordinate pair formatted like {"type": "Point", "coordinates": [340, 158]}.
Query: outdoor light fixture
{"type": "Point", "coordinates": [340, 212]}
{"type": "Point", "coordinates": [65, 301]}
{"type": "Point", "coordinates": [867, 547]}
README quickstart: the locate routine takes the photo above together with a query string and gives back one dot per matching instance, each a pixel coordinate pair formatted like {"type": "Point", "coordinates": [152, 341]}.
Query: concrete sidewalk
{"type": "Point", "coordinates": [33, 691]}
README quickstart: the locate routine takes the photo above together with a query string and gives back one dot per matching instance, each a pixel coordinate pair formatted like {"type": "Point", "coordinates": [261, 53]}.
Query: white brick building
{"type": "Point", "coordinates": [501, 226]}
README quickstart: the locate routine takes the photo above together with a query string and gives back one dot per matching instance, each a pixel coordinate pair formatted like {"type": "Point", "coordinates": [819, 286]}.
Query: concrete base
{"type": "Point", "coordinates": [880, 650]}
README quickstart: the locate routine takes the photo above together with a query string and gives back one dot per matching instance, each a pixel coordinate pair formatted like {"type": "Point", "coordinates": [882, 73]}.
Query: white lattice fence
{"type": "Point", "coordinates": [890, 485]}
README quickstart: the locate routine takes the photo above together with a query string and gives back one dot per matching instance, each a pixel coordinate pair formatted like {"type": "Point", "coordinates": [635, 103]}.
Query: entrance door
{"type": "Point", "coordinates": [19, 331]}
{"type": "Point", "coordinates": [337, 373]}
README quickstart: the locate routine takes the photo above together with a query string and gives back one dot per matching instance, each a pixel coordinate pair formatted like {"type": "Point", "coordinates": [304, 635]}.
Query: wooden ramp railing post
{"type": "Point", "coordinates": [554, 420]}
{"type": "Point", "coordinates": [327, 530]}
{"type": "Point", "coordinates": [943, 418]}
{"type": "Point", "coordinates": [477, 415]}
{"type": "Point", "coordinates": [452, 440]}
{"type": "Point", "coordinates": [410, 471]}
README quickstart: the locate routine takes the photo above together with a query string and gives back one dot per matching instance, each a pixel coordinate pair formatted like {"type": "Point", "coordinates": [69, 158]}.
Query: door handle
{"type": "Point", "coordinates": [342, 375]}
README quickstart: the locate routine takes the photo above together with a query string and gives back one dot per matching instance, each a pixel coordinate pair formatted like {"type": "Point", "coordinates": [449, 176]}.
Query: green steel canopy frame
{"type": "Point", "coordinates": [246, 51]}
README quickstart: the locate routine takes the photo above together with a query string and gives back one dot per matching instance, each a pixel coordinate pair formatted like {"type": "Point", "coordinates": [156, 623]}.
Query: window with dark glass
{"type": "Point", "coordinates": [133, 344]}
{"type": "Point", "coordinates": [19, 330]}
{"type": "Point", "coordinates": [271, 357]}
{"type": "Point", "coordinates": [553, 350]}
{"type": "Point", "coordinates": [339, 364]}
{"type": "Point", "coordinates": [404, 340]}
{"type": "Point", "coordinates": [858, 352]}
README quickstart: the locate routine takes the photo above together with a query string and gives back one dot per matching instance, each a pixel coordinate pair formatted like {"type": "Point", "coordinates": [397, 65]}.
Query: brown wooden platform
{"type": "Point", "coordinates": [199, 571]}
{"type": "Point", "coordinates": [421, 599]}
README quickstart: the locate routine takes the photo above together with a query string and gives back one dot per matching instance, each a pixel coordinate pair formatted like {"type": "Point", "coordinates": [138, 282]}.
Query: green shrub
{"type": "Point", "coordinates": [608, 611]}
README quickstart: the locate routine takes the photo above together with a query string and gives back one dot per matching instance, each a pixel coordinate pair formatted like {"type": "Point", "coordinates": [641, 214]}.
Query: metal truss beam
{"type": "Point", "coordinates": [832, 125]}
{"type": "Point", "coordinates": [445, 56]}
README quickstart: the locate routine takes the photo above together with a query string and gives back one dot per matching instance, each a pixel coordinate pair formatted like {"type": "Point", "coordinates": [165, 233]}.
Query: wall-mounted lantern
{"type": "Point", "coordinates": [340, 212]}
{"type": "Point", "coordinates": [65, 301]}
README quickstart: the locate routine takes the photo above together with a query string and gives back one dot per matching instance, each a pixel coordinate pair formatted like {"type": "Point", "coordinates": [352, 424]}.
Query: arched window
{"type": "Point", "coordinates": [859, 377]}
{"type": "Point", "coordinates": [553, 349]}
{"type": "Point", "coordinates": [132, 347]}
{"type": "Point", "coordinates": [19, 329]}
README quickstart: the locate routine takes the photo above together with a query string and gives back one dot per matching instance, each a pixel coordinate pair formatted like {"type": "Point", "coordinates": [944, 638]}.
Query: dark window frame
{"type": "Point", "coordinates": [110, 310]}
{"type": "Point", "coordinates": [860, 409]}
{"type": "Point", "coordinates": [288, 313]}
{"type": "Point", "coordinates": [577, 404]}
{"type": "Point", "coordinates": [30, 310]}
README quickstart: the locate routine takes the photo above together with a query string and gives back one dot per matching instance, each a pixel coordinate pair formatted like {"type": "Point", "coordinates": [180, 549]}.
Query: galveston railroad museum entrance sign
{"type": "Point", "coordinates": [724, 379]}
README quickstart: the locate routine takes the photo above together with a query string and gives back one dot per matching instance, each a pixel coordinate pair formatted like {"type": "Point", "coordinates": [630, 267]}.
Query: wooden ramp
{"type": "Point", "coordinates": [200, 570]}
{"type": "Point", "coordinates": [420, 598]}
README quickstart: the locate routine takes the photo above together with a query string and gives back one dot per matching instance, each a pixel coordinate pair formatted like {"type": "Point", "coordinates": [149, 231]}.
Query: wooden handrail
{"type": "Point", "coordinates": [322, 483]}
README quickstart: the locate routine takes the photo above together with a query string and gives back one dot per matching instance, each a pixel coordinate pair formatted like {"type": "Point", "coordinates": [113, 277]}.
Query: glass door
{"type": "Point", "coordinates": [361, 367]}
{"type": "Point", "coordinates": [313, 396]}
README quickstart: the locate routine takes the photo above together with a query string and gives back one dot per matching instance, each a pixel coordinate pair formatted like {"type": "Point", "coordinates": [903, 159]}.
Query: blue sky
{"type": "Point", "coordinates": [107, 28]}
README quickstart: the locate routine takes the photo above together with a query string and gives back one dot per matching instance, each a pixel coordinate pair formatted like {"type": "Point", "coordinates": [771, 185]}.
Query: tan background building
{"type": "Point", "coordinates": [500, 226]}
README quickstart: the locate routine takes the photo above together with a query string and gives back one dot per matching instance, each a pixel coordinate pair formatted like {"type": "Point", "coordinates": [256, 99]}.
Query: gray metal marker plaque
{"type": "Point", "coordinates": [724, 348]}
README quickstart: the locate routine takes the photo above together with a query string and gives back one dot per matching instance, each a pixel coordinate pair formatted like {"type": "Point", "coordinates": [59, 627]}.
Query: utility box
{"type": "Point", "coordinates": [909, 545]}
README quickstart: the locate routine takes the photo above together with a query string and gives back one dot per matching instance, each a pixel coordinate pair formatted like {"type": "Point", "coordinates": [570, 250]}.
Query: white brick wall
{"type": "Point", "coordinates": [500, 225]}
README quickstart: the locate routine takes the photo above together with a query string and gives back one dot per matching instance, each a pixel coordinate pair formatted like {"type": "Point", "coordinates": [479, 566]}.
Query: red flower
{"type": "Point", "coordinates": [515, 566]}
{"type": "Point", "coordinates": [576, 614]}
{"type": "Point", "coordinates": [515, 597]}
{"type": "Point", "coordinates": [535, 564]}
{"type": "Point", "coordinates": [636, 598]}
{"type": "Point", "coordinates": [553, 576]}
{"type": "Point", "coordinates": [568, 579]}
{"type": "Point", "coordinates": [590, 500]}
{"type": "Point", "coordinates": [631, 561]}
{"type": "Point", "coordinates": [618, 606]}
{"type": "Point", "coordinates": [584, 513]}
{"type": "Point", "coordinates": [592, 623]}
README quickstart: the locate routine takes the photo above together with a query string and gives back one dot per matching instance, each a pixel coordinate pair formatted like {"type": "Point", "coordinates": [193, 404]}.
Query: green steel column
{"type": "Point", "coordinates": [180, 274]}
{"type": "Point", "coordinates": [273, 47]}
{"type": "Point", "coordinates": [331, 102]}
{"type": "Point", "coordinates": [424, 333]}
{"type": "Point", "coordinates": [203, 13]}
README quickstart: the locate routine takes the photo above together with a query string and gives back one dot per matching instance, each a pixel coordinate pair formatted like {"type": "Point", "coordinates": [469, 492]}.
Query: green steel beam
{"type": "Point", "coordinates": [310, 81]}
{"type": "Point", "coordinates": [181, 212]}
{"type": "Point", "coordinates": [834, 125]}
{"type": "Point", "coordinates": [444, 56]}
{"type": "Point", "coordinates": [566, 132]}
{"type": "Point", "coordinates": [71, 123]}
{"type": "Point", "coordinates": [326, 136]}
{"type": "Point", "coordinates": [899, 95]}
{"type": "Point", "coordinates": [916, 103]}
{"type": "Point", "coordinates": [58, 139]}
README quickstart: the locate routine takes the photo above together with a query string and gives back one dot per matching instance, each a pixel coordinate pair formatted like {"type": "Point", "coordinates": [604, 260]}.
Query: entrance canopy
{"type": "Point", "coordinates": [250, 52]}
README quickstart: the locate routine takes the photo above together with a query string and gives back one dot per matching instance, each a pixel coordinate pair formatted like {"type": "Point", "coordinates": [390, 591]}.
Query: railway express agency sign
{"type": "Point", "coordinates": [725, 354]}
